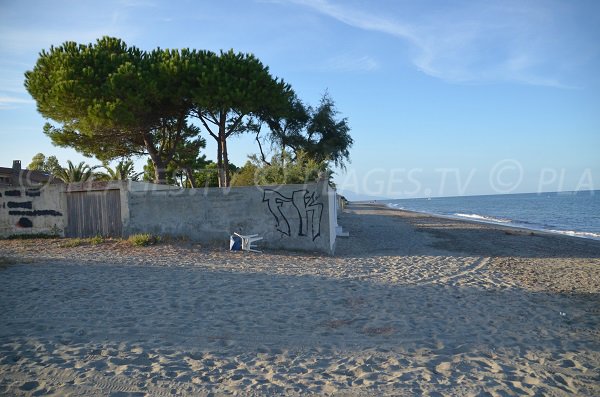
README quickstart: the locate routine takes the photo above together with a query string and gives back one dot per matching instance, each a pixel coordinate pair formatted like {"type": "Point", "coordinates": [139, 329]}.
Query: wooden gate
{"type": "Point", "coordinates": [94, 213]}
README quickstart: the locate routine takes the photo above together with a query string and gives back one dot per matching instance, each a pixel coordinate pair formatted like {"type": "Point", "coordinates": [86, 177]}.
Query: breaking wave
{"type": "Point", "coordinates": [483, 218]}
{"type": "Point", "coordinates": [595, 236]}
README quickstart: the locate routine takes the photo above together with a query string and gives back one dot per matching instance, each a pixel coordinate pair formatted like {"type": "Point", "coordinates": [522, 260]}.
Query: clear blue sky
{"type": "Point", "coordinates": [443, 97]}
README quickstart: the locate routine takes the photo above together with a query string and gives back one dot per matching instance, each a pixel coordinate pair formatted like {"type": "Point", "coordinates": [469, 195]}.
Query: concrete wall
{"type": "Point", "coordinates": [340, 203]}
{"type": "Point", "coordinates": [32, 210]}
{"type": "Point", "coordinates": [298, 217]}
{"type": "Point", "coordinates": [287, 217]}
{"type": "Point", "coordinates": [43, 209]}
{"type": "Point", "coordinates": [333, 216]}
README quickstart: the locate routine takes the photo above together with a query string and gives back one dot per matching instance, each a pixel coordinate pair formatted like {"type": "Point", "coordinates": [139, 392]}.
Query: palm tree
{"type": "Point", "coordinates": [123, 171]}
{"type": "Point", "coordinates": [75, 173]}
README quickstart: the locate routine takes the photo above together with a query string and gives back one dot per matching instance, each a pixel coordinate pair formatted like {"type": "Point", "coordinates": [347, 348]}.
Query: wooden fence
{"type": "Point", "coordinates": [94, 213]}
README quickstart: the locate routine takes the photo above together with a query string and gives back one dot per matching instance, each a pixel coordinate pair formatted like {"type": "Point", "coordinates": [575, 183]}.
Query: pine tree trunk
{"type": "Point", "coordinates": [190, 177]}
{"type": "Point", "coordinates": [226, 164]}
{"type": "Point", "coordinates": [160, 171]}
{"type": "Point", "coordinates": [222, 158]}
{"type": "Point", "coordinates": [223, 162]}
{"type": "Point", "coordinates": [220, 169]}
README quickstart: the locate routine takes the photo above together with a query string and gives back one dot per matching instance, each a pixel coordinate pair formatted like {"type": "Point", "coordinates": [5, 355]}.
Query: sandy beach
{"type": "Point", "coordinates": [410, 304]}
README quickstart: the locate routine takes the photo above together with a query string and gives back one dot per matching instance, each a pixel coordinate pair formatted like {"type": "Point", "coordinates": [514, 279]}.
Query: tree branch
{"type": "Point", "coordinates": [207, 127]}
{"type": "Point", "coordinates": [235, 125]}
{"type": "Point", "coordinates": [149, 142]}
{"type": "Point", "coordinates": [178, 135]}
{"type": "Point", "coordinates": [214, 118]}
{"type": "Point", "coordinates": [262, 154]}
{"type": "Point", "coordinates": [162, 141]}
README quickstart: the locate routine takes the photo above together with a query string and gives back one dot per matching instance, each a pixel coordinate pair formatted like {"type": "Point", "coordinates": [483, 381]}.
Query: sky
{"type": "Point", "coordinates": [443, 98]}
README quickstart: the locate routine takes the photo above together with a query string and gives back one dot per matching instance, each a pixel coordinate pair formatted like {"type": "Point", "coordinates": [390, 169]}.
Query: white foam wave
{"type": "Point", "coordinates": [595, 236]}
{"type": "Point", "coordinates": [395, 206]}
{"type": "Point", "coordinates": [483, 218]}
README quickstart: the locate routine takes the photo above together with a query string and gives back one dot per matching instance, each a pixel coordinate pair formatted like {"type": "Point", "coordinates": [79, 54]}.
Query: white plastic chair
{"type": "Point", "coordinates": [248, 240]}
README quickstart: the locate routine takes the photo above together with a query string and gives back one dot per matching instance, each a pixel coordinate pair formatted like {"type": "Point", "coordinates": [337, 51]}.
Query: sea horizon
{"type": "Point", "coordinates": [572, 213]}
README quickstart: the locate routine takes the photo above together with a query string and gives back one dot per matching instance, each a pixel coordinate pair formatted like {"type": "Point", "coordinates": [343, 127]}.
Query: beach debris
{"type": "Point", "coordinates": [235, 243]}
{"type": "Point", "coordinates": [247, 241]}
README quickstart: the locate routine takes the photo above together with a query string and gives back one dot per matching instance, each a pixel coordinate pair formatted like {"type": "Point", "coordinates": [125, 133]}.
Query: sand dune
{"type": "Point", "coordinates": [410, 305]}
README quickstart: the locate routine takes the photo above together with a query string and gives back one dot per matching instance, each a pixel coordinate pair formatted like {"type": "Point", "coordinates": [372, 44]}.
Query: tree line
{"type": "Point", "coordinates": [280, 170]}
{"type": "Point", "coordinates": [113, 101]}
{"type": "Point", "coordinates": [83, 172]}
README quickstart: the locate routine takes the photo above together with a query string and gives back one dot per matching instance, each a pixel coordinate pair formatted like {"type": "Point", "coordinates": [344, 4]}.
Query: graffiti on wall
{"type": "Point", "coordinates": [25, 204]}
{"type": "Point", "coordinates": [36, 213]}
{"type": "Point", "coordinates": [24, 209]}
{"type": "Point", "coordinates": [24, 222]}
{"type": "Point", "coordinates": [298, 214]}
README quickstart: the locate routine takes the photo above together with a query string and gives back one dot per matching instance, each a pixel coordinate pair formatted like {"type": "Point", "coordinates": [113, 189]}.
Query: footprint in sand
{"type": "Point", "coordinates": [443, 368]}
{"type": "Point", "coordinates": [29, 386]}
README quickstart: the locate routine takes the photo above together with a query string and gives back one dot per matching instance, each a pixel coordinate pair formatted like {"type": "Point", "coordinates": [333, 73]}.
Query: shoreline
{"type": "Point", "coordinates": [565, 233]}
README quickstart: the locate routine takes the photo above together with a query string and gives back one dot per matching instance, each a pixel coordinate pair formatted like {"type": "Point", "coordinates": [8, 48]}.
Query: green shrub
{"type": "Point", "coordinates": [76, 242]}
{"type": "Point", "coordinates": [143, 240]}
{"type": "Point", "coordinates": [96, 240]}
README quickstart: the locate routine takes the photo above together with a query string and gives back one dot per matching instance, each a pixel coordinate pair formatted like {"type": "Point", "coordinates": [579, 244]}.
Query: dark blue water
{"type": "Point", "coordinates": [572, 213]}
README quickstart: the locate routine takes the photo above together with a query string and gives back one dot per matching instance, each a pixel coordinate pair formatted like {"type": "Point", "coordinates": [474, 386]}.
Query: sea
{"type": "Point", "coordinates": [571, 213]}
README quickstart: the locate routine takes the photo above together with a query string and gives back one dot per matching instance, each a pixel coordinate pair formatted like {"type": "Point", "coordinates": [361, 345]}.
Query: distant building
{"type": "Point", "coordinates": [16, 176]}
